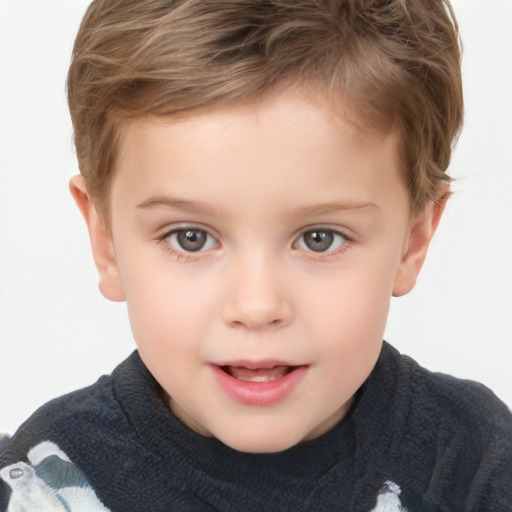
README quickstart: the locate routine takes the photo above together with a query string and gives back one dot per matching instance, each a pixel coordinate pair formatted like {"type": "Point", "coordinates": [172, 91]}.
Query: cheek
{"type": "Point", "coordinates": [356, 298]}
{"type": "Point", "coordinates": [353, 340]}
{"type": "Point", "coordinates": [351, 319]}
{"type": "Point", "coordinates": [168, 324]}
{"type": "Point", "coordinates": [165, 308]}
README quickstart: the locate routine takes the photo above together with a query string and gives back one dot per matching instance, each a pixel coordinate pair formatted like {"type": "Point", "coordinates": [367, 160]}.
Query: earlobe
{"type": "Point", "coordinates": [110, 283]}
{"type": "Point", "coordinates": [421, 230]}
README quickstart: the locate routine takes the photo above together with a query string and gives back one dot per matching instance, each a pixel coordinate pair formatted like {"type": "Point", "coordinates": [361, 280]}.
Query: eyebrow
{"type": "Point", "coordinates": [203, 208]}
{"type": "Point", "coordinates": [175, 204]}
{"type": "Point", "coordinates": [334, 207]}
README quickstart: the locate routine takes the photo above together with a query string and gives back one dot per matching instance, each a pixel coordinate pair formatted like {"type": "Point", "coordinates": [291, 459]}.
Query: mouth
{"type": "Point", "coordinates": [258, 374]}
{"type": "Point", "coordinates": [262, 383]}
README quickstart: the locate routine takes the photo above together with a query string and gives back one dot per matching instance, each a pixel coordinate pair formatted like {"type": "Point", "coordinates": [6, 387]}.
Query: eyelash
{"type": "Point", "coordinates": [182, 256]}
{"type": "Point", "coordinates": [346, 244]}
{"type": "Point", "coordinates": [185, 256]}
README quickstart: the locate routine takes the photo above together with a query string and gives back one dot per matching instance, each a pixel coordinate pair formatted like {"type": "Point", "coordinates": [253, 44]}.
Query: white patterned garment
{"type": "Point", "coordinates": [49, 483]}
{"type": "Point", "coordinates": [388, 499]}
{"type": "Point", "coordinates": [52, 483]}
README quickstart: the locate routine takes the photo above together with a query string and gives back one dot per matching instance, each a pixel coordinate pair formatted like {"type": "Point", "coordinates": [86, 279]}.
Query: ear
{"type": "Point", "coordinates": [101, 242]}
{"type": "Point", "coordinates": [420, 232]}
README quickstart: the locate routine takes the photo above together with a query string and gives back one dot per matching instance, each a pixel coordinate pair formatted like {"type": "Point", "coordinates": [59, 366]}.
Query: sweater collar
{"type": "Point", "coordinates": [167, 437]}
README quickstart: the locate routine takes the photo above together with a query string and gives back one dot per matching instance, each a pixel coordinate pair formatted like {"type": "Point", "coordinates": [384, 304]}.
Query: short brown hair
{"type": "Point", "coordinates": [395, 62]}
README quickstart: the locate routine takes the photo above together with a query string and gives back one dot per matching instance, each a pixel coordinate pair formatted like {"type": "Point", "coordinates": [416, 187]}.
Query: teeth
{"type": "Point", "coordinates": [258, 374]}
{"type": "Point", "coordinates": [260, 378]}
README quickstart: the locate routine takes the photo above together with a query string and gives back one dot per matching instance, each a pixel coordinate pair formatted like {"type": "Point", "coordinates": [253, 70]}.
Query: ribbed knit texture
{"type": "Point", "coordinates": [446, 443]}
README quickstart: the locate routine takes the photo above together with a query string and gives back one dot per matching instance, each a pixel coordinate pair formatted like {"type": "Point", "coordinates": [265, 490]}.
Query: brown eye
{"type": "Point", "coordinates": [190, 240]}
{"type": "Point", "coordinates": [320, 240]}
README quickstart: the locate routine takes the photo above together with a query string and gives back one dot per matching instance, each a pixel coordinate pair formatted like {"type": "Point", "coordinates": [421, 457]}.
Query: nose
{"type": "Point", "coordinates": [256, 295]}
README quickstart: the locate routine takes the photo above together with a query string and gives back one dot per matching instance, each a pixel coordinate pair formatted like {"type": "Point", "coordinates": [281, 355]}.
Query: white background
{"type": "Point", "coordinates": [57, 333]}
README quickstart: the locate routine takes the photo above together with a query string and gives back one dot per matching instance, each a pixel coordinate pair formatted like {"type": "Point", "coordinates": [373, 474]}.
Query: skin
{"type": "Point", "coordinates": [257, 179]}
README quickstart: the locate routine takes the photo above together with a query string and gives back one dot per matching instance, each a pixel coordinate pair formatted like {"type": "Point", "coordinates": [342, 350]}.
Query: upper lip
{"type": "Point", "coordinates": [256, 364]}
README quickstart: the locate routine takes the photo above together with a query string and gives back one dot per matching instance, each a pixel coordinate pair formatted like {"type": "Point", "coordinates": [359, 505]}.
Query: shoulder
{"type": "Point", "coordinates": [465, 403]}
{"type": "Point", "coordinates": [37, 469]}
{"type": "Point", "coordinates": [94, 412]}
{"type": "Point", "coordinates": [451, 438]}
{"type": "Point", "coordinates": [416, 404]}
{"type": "Point", "coordinates": [70, 447]}
{"type": "Point", "coordinates": [63, 420]}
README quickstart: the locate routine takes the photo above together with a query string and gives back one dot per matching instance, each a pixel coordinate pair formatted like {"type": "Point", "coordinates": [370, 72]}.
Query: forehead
{"type": "Point", "coordinates": [266, 141]}
{"type": "Point", "coordinates": [297, 110]}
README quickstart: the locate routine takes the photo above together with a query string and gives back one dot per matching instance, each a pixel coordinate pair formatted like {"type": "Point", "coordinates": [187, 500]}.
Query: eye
{"type": "Point", "coordinates": [190, 240]}
{"type": "Point", "coordinates": [321, 240]}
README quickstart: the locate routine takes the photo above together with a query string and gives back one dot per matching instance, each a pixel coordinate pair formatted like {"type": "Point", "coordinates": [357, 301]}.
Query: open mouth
{"type": "Point", "coordinates": [258, 374]}
{"type": "Point", "coordinates": [258, 383]}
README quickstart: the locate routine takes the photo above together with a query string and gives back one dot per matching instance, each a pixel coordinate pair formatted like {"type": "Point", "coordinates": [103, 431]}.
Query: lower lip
{"type": "Point", "coordinates": [259, 393]}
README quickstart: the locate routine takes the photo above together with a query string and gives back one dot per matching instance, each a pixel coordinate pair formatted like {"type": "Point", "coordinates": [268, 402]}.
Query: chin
{"type": "Point", "coordinates": [262, 442]}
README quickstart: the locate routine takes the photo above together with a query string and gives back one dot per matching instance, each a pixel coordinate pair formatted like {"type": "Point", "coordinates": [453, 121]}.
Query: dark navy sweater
{"type": "Point", "coordinates": [414, 441]}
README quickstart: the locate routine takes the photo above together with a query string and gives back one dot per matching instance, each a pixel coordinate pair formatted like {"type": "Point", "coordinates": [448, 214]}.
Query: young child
{"type": "Point", "coordinates": [258, 179]}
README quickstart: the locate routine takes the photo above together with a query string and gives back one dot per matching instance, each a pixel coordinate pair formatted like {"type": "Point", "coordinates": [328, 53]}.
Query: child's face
{"type": "Point", "coordinates": [257, 248]}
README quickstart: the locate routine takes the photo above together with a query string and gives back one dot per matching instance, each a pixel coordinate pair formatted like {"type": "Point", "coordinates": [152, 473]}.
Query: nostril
{"type": "Point", "coordinates": [256, 312]}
